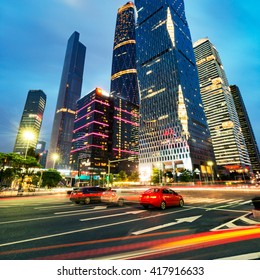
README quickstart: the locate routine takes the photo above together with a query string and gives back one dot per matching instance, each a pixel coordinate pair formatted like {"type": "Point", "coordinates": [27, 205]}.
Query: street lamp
{"type": "Point", "coordinates": [55, 157]}
{"type": "Point", "coordinates": [210, 164]}
{"type": "Point", "coordinates": [117, 160]}
{"type": "Point", "coordinates": [28, 136]}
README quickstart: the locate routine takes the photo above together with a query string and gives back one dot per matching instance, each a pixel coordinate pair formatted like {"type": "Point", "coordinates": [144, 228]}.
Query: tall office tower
{"type": "Point", "coordinates": [69, 93]}
{"type": "Point", "coordinates": [247, 129]}
{"type": "Point", "coordinates": [92, 134]}
{"type": "Point", "coordinates": [124, 75]}
{"type": "Point", "coordinates": [124, 89]}
{"type": "Point", "coordinates": [228, 140]}
{"type": "Point", "coordinates": [173, 128]}
{"type": "Point", "coordinates": [31, 122]}
{"type": "Point", "coordinates": [125, 135]}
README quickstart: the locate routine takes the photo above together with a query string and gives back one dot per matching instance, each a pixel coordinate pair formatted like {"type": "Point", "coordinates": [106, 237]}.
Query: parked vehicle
{"type": "Point", "coordinates": [161, 198]}
{"type": "Point", "coordinates": [86, 195]}
{"type": "Point", "coordinates": [119, 196]}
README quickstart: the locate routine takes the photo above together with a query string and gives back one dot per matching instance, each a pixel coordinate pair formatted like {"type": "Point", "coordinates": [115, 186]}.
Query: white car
{"type": "Point", "coordinates": [120, 196]}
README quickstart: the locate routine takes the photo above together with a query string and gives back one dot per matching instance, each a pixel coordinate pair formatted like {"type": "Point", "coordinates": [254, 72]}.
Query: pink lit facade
{"type": "Point", "coordinates": [91, 143]}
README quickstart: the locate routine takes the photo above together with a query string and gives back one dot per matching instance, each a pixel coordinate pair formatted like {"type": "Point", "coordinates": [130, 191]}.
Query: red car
{"type": "Point", "coordinates": [87, 194]}
{"type": "Point", "coordinates": [161, 198]}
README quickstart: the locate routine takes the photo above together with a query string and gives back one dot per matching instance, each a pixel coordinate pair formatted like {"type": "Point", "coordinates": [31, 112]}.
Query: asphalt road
{"type": "Point", "coordinates": [211, 225]}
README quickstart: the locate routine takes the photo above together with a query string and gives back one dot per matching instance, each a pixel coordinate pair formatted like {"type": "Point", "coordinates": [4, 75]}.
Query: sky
{"type": "Point", "coordinates": [34, 35]}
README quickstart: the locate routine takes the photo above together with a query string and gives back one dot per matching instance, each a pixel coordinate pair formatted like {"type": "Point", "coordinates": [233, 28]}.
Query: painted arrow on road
{"type": "Point", "coordinates": [178, 221]}
{"type": "Point", "coordinates": [114, 215]}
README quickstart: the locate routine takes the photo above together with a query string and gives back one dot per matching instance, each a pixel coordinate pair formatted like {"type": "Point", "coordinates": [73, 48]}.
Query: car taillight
{"type": "Point", "coordinates": [153, 196]}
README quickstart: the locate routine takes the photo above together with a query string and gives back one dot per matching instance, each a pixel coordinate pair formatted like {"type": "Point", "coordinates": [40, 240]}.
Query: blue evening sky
{"type": "Point", "coordinates": [34, 34]}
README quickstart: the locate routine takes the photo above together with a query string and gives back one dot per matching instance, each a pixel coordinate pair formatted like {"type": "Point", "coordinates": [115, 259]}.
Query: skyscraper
{"type": "Point", "coordinates": [125, 135]}
{"type": "Point", "coordinates": [69, 93]}
{"type": "Point", "coordinates": [228, 140]}
{"type": "Point", "coordinates": [31, 121]}
{"type": "Point", "coordinates": [174, 133]}
{"type": "Point", "coordinates": [253, 150]}
{"type": "Point", "coordinates": [124, 75]}
{"type": "Point", "coordinates": [124, 89]}
{"type": "Point", "coordinates": [92, 134]}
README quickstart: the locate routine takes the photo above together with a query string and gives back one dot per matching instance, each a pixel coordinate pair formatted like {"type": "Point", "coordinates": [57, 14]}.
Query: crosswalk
{"type": "Point", "coordinates": [215, 201]}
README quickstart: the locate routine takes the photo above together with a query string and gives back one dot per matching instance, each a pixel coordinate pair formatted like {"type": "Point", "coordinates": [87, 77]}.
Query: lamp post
{"type": "Point", "coordinates": [116, 160]}
{"type": "Point", "coordinates": [55, 157]}
{"type": "Point", "coordinates": [210, 164]}
{"type": "Point", "coordinates": [28, 136]}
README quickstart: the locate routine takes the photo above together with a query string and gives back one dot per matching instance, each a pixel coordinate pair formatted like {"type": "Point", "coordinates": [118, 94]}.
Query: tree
{"type": "Point", "coordinates": [20, 166]}
{"type": "Point", "coordinates": [156, 176]}
{"type": "Point", "coordinates": [168, 176]}
{"type": "Point", "coordinates": [122, 176]}
{"type": "Point", "coordinates": [186, 176]}
{"type": "Point", "coordinates": [31, 153]}
{"type": "Point", "coordinates": [134, 176]}
{"type": "Point", "coordinates": [3, 161]}
{"type": "Point", "coordinates": [51, 178]}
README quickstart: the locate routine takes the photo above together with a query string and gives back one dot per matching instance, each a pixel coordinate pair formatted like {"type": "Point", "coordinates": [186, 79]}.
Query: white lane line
{"type": "Point", "coordinates": [52, 207]}
{"type": "Point", "coordinates": [235, 202]}
{"type": "Point", "coordinates": [114, 215]}
{"type": "Point", "coordinates": [87, 229]}
{"type": "Point", "coordinates": [246, 202]}
{"type": "Point", "coordinates": [78, 211]}
{"type": "Point", "coordinates": [71, 213]}
{"type": "Point", "coordinates": [250, 256]}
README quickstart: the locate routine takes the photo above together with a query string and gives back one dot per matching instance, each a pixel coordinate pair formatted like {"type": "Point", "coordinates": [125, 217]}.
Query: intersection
{"type": "Point", "coordinates": [211, 225]}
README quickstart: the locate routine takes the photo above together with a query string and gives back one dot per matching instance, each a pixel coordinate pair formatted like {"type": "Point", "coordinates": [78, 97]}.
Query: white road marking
{"type": "Point", "coordinates": [71, 213]}
{"type": "Point", "coordinates": [87, 229]}
{"type": "Point", "coordinates": [113, 215]}
{"type": "Point", "coordinates": [78, 211]}
{"type": "Point", "coordinates": [246, 202]}
{"type": "Point", "coordinates": [249, 221]}
{"type": "Point", "coordinates": [250, 256]}
{"type": "Point", "coordinates": [217, 209]}
{"type": "Point", "coordinates": [231, 224]}
{"type": "Point", "coordinates": [178, 221]}
{"type": "Point", "coordinates": [234, 202]}
{"type": "Point", "coordinates": [56, 206]}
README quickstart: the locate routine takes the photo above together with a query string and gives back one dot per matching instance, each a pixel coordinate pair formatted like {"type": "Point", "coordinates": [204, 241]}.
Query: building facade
{"type": "Point", "coordinates": [69, 93]}
{"type": "Point", "coordinates": [227, 137]}
{"type": "Point", "coordinates": [42, 152]}
{"type": "Point", "coordinates": [124, 74]}
{"type": "Point", "coordinates": [31, 122]}
{"type": "Point", "coordinates": [125, 93]}
{"type": "Point", "coordinates": [174, 134]}
{"type": "Point", "coordinates": [252, 147]}
{"type": "Point", "coordinates": [92, 134]}
{"type": "Point", "coordinates": [125, 135]}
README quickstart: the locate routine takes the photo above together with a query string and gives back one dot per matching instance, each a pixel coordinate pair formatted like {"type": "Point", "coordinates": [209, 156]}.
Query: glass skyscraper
{"type": "Point", "coordinates": [227, 137]}
{"type": "Point", "coordinates": [252, 147]}
{"type": "Point", "coordinates": [31, 121]}
{"type": "Point", "coordinates": [125, 135]}
{"type": "Point", "coordinates": [124, 89]}
{"type": "Point", "coordinates": [69, 93]}
{"type": "Point", "coordinates": [124, 75]}
{"type": "Point", "coordinates": [174, 134]}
